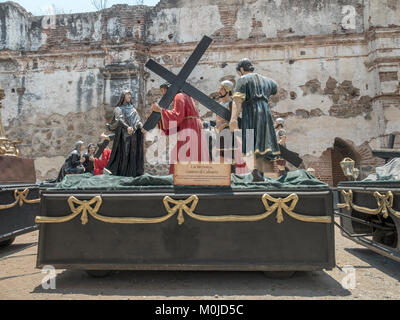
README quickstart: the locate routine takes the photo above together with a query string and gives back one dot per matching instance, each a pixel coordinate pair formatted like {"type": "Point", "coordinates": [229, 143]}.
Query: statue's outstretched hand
{"type": "Point", "coordinates": [105, 137]}
{"type": "Point", "coordinates": [156, 108]}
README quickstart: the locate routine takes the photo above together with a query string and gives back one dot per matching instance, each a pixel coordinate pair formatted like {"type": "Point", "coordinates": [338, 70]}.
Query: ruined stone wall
{"type": "Point", "coordinates": [336, 62]}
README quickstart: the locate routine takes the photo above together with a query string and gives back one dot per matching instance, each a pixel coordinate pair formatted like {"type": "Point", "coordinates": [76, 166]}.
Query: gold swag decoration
{"type": "Point", "coordinates": [20, 198]}
{"type": "Point", "coordinates": [279, 206]}
{"type": "Point", "coordinates": [188, 207]}
{"type": "Point", "coordinates": [92, 208]}
{"type": "Point", "coordinates": [384, 202]}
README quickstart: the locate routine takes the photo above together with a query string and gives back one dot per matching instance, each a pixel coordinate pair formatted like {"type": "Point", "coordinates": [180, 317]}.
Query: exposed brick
{"type": "Point", "coordinates": [388, 76]}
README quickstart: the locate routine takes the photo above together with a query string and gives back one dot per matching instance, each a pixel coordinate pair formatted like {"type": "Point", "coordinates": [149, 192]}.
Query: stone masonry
{"type": "Point", "coordinates": [337, 63]}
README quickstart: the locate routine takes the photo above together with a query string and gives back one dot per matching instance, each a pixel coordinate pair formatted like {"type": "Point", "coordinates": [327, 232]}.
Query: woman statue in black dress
{"type": "Point", "coordinates": [127, 157]}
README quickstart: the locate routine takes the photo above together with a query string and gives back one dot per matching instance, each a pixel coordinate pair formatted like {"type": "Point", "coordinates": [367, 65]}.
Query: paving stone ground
{"type": "Point", "coordinates": [376, 278]}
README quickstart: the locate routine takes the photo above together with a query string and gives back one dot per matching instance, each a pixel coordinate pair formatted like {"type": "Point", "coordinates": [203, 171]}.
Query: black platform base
{"type": "Point", "coordinates": [207, 230]}
{"type": "Point", "coordinates": [370, 215]}
{"type": "Point", "coordinates": [19, 205]}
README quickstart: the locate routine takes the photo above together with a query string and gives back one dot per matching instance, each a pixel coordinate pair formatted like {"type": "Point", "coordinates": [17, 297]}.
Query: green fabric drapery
{"type": "Point", "coordinates": [293, 180]}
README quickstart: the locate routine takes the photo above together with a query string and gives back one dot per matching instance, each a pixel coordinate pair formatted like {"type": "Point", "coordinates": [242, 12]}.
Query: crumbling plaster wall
{"type": "Point", "coordinates": [336, 63]}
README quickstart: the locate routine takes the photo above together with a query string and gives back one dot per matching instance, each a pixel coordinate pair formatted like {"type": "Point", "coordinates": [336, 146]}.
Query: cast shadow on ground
{"type": "Point", "coordinates": [20, 276]}
{"type": "Point", "coordinates": [15, 248]}
{"type": "Point", "coordinates": [377, 261]}
{"type": "Point", "coordinates": [149, 284]}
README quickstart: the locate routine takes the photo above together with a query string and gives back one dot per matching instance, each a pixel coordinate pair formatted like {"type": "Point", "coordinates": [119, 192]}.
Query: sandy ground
{"type": "Point", "coordinates": [376, 277]}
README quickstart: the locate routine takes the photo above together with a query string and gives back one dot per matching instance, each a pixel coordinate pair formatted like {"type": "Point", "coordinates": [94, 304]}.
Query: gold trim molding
{"type": "Point", "coordinates": [384, 202]}
{"type": "Point", "coordinates": [9, 148]}
{"type": "Point", "coordinates": [182, 207]}
{"type": "Point", "coordinates": [20, 198]}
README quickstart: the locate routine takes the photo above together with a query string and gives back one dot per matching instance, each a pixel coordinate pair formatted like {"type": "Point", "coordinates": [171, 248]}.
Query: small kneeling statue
{"type": "Point", "coordinates": [74, 163]}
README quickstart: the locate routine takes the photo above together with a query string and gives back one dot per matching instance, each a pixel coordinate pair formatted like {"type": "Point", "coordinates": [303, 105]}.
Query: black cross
{"type": "Point", "coordinates": [178, 83]}
{"type": "Point", "coordinates": [190, 90]}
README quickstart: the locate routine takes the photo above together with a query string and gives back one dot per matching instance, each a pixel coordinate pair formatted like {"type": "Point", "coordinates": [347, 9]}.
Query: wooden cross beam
{"type": "Point", "coordinates": [178, 83]}
{"type": "Point", "coordinates": [180, 80]}
{"type": "Point", "coordinates": [190, 90]}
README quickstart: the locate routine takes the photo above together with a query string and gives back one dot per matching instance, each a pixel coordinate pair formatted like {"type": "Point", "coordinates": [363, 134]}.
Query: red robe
{"type": "Point", "coordinates": [184, 120]}
{"type": "Point", "coordinates": [100, 164]}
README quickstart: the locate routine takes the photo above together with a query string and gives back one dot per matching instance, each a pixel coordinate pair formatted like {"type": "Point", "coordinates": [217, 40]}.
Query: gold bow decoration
{"type": "Point", "coordinates": [348, 200]}
{"type": "Point", "coordinates": [188, 207]}
{"type": "Point", "coordinates": [287, 205]}
{"type": "Point", "coordinates": [180, 207]}
{"type": "Point", "coordinates": [83, 208]}
{"type": "Point", "coordinates": [20, 198]}
{"type": "Point", "coordinates": [384, 202]}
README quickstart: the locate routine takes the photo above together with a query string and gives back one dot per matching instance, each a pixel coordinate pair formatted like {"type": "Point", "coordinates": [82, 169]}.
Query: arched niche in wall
{"type": "Point", "coordinates": [119, 77]}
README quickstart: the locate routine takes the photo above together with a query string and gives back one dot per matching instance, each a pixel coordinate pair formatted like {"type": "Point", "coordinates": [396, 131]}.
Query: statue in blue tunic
{"type": "Point", "coordinates": [251, 98]}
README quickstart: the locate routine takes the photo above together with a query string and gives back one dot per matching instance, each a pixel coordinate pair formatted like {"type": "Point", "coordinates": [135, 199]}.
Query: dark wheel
{"type": "Point", "coordinates": [279, 274]}
{"type": "Point", "coordinates": [7, 243]}
{"type": "Point", "coordinates": [98, 273]}
{"type": "Point", "coordinates": [388, 239]}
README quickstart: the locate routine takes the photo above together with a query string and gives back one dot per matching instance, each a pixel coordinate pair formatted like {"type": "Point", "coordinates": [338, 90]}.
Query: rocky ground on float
{"type": "Point", "coordinates": [376, 277]}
